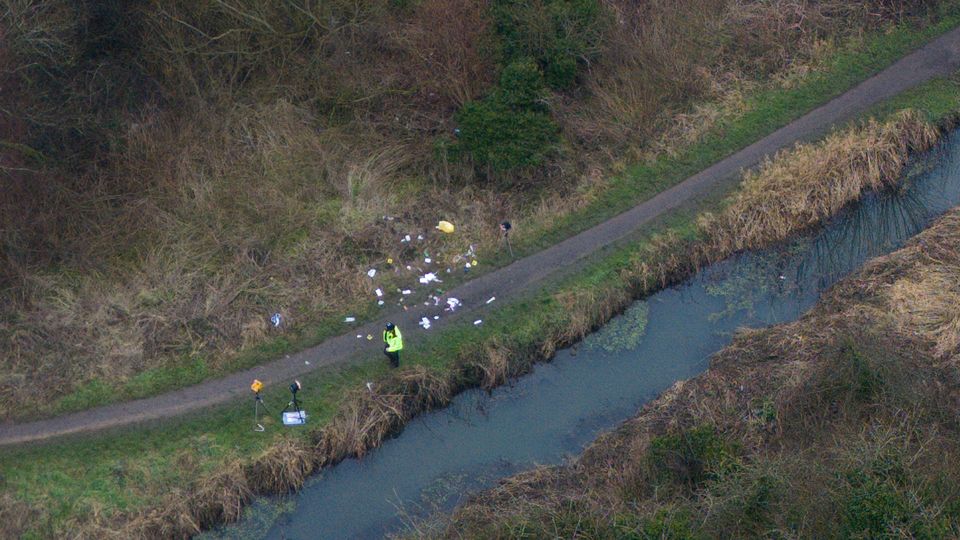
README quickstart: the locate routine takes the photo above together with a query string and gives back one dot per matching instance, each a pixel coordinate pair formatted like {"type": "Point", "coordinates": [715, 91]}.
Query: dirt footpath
{"type": "Point", "coordinates": [939, 58]}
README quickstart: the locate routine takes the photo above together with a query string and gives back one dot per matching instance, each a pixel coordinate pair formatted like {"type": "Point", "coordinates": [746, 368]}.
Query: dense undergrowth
{"type": "Point", "coordinates": [840, 425]}
{"type": "Point", "coordinates": [172, 180]}
{"type": "Point", "coordinates": [192, 477]}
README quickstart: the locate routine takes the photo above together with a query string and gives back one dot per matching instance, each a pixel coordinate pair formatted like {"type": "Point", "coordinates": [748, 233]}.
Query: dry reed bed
{"type": "Point", "coordinates": [825, 176]}
{"type": "Point", "coordinates": [902, 298]}
{"type": "Point", "coordinates": [904, 305]}
{"type": "Point", "coordinates": [247, 197]}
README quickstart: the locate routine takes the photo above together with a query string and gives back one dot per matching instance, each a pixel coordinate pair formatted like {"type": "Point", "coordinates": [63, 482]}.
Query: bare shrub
{"type": "Point", "coordinates": [448, 40]}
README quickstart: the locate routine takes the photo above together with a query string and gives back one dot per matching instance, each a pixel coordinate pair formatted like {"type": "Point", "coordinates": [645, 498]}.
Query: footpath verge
{"type": "Point", "coordinates": [941, 57]}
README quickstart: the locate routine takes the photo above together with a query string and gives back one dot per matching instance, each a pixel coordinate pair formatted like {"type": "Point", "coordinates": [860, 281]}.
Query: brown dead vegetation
{"type": "Point", "coordinates": [369, 416]}
{"type": "Point", "coordinates": [816, 182]}
{"type": "Point", "coordinates": [247, 168]}
{"type": "Point", "coordinates": [864, 382]}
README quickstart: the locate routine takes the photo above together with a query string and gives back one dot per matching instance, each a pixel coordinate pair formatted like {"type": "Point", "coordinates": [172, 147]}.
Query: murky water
{"type": "Point", "coordinates": [558, 409]}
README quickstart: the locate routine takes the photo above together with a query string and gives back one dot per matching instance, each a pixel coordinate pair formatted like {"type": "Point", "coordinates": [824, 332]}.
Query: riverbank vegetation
{"type": "Point", "coordinates": [173, 180]}
{"type": "Point", "coordinates": [841, 424]}
{"type": "Point", "coordinates": [192, 476]}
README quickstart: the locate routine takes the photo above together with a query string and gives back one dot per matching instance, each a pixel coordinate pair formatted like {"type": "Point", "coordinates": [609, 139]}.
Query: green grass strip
{"type": "Point", "coordinates": [107, 471]}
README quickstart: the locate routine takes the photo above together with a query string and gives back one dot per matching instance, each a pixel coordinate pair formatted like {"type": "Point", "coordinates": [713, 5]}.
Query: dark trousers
{"type": "Point", "coordinates": [393, 356]}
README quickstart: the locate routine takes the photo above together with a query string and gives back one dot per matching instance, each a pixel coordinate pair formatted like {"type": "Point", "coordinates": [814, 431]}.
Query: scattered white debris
{"type": "Point", "coordinates": [425, 323]}
{"type": "Point", "coordinates": [427, 260]}
{"type": "Point", "coordinates": [370, 386]}
{"type": "Point", "coordinates": [419, 237]}
{"type": "Point", "coordinates": [307, 362]}
{"type": "Point", "coordinates": [429, 277]}
{"type": "Point", "coordinates": [783, 277]}
{"type": "Point", "coordinates": [408, 267]}
{"type": "Point", "coordinates": [467, 266]}
{"type": "Point", "coordinates": [436, 317]}
{"type": "Point", "coordinates": [477, 322]}
{"type": "Point", "coordinates": [359, 336]}
{"type": "Point", "coordinates": [276, 319]}
{"type": "Point", "coordinates": [406, 292]}
{"type": "Point", "coordinates": [453, 303]}
{"type": "Point", "coordinates": [379, 293]}
{"type": "Point", "coordinates": [379, 302]}
{"type": "Point", "coordinates": [350, 319]}
{"type": "Point", "coordinates": [448, 270]}
{"type": "Point", "coordinates": [492, 298]}
{"type": "Point", "coordinates": [405, 239]}
{"type": "Point", "coordinates": [372, 272]}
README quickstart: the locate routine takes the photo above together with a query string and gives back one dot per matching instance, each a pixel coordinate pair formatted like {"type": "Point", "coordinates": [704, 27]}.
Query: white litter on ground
{"type": "Point", "coordinates": [429, 277]}
{"type": "Point", "coordinates": [307, 362]}
{"type": "Point", "coordinates": [453, 303]}
{"type": "Point", "coordinates": [379, 302]}
{"type": "Point", "coordinates": [370, 386]}
{"type": "Point", "coordinates": [477, 322]}
{"type": "Point", "coordinates": [406, 238]}
{"type": "Point", "coordinates": [428, 260]}
{"type": "Point", "coordinates": [372, 272]}
{"type": "Point", "coordinates": [436, 317]}
{"type": "Point", "coordinates": [359, 336]}
{"type": "Point", "coordinates": [379, 292]}
{"type": "Point", "coordinates": [425, 323]}
{"type": "Point", "coordinates": [276, 319]}
{"type": "Point", "coordinates": [419, 237]}
{"type": "Point", "coordinates": [350, 319]}
{"type": "Point", "coordinates": [406, 291]}
{"type": "Point", "coordinates": [492, 298]}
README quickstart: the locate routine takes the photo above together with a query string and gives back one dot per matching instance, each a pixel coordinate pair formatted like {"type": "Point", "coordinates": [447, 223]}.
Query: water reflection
{"type": "Point", "coordinates": [560, 407]}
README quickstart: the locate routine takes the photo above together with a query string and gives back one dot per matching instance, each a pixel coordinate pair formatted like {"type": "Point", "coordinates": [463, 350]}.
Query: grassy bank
{"type": "Point", "coordinates": [187, 476]}
{"type": "Point", "coordinates": [760, 112]}
{"type": "Point", "coordinates": [842, 424]}
{"type": "Point", "coordinates": [225, 196]}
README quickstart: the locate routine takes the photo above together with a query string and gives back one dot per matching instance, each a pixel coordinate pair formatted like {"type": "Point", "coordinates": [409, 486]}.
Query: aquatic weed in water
{"type": "Point", "coordinates": [622, 333]}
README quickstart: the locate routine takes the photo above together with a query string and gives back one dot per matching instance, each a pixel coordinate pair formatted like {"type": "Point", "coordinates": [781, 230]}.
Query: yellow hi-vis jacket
{"type": "Point", "coordinates": [393, 339]}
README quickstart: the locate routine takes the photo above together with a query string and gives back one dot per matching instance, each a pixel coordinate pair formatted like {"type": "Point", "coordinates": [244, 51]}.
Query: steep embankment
{"type": "Point", "coordinates": [842, 424]}
{"type": "Point", "coordinates": [177, 172]}
{"type": "Point", "coordinates": [859, 159]}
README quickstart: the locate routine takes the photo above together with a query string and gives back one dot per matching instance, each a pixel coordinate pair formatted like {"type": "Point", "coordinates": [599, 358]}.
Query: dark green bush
{"type": "Point", "coordinates": [511, 128]}
{"type": "Point", "coordinates": [557, 34]}
{"type": "Point", "coordinates": [521, 87]}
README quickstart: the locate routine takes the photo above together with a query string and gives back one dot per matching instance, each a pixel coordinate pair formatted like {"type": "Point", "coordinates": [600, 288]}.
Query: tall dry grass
{"type": "Point", "coordinates": [248, 168]}
{"type": "Point", "coordinates": [815, 182]}
{"type": "Point", "coordinates": [368, 416]}
{"type": "Point", "coordinates": [845, 413]}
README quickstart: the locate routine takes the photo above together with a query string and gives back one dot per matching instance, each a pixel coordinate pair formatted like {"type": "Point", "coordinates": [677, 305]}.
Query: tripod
{"type": "Point", "coordinates": [257, 404]}
{"type": "Point", "coordinates": [505, 229]}
{"type": "Point", "coordinates": [295, 403]}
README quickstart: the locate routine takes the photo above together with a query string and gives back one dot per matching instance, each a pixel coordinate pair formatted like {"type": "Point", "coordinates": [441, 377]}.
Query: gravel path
{"type": "Point", "coordinates": [940, 57]}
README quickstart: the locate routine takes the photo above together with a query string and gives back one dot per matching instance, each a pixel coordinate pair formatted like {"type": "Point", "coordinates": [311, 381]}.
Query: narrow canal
{"type": "Point", "coordinates": [554, 412]}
